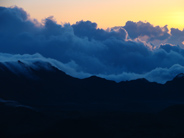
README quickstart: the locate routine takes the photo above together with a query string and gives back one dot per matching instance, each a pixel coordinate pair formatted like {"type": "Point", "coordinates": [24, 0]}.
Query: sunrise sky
{"type": "Point", "coordinates": [106, 13]}
{"type": "Point", "coordinates": [137, 44]}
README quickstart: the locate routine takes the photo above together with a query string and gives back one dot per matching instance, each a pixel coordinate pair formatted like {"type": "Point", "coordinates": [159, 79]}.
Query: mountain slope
{"type": "Point", "coordinates": [41, 84]}
{"type": "Point", "coordinates": [38, 100]}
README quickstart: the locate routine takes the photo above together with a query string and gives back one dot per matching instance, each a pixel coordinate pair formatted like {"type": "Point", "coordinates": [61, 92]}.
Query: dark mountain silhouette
{"type": "Point", "coordinates": [50, 103]}
{"type": "Point", "coordinates": [46, 85]}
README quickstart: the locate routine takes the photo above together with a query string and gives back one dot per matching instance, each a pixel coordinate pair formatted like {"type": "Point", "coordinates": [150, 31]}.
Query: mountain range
{"type": "Point", "coordinates": [39, 100]}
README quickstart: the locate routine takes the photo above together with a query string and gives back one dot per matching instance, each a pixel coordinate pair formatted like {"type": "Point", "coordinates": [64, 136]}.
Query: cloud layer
{"type": "Point", "coordinates": [154, 34]}
{"type": "Point", "coordinates": [132, 51]}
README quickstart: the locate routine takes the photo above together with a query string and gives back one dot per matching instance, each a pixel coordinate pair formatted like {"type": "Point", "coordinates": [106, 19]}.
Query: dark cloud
{"type": "Point", "coordinates": [14, 20]}
{"type": "Point", "coordinates": [90, 30]}
{"type": "Point", "coordinates": [177, 37]}
{"type": "Point", "coordinates": [177, 32]}
{"type": "Point", "coordinates": [82, 49]}
{"type": "Point", "coordinates": [140, 29]}
{"type": "Point", "coordinates": [154, 34]}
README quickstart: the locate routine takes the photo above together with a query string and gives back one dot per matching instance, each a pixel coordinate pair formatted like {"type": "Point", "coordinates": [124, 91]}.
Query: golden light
{"type": "Point", "coordinates": [177, 19]}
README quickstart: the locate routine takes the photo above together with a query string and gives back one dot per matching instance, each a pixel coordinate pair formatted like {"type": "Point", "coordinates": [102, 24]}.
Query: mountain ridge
{"type": "Point", "coordinates": [42, 65]}
{"type": "Point", "coordinates": [54, 104]}
{"type": "Point", "coordinates": [52, 86]}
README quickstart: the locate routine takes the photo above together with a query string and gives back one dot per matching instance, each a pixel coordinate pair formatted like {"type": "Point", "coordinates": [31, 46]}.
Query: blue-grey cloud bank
{"type": "Point", "coordinates": [136, 50]}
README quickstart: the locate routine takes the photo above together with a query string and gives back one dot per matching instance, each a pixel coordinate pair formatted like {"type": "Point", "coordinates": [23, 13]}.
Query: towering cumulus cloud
{"type": "Point", "coordinates": [119, 53]}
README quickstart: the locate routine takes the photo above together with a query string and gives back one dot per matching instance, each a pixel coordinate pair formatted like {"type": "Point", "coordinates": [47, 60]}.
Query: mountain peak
{"type": "Point", "coordinates": [20, 62]}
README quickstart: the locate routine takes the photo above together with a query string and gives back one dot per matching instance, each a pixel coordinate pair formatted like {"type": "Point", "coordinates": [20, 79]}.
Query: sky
{"type": "Point", "coordinates": [131, 50]}
{"type": "Point", "coordinates": [106, 13]}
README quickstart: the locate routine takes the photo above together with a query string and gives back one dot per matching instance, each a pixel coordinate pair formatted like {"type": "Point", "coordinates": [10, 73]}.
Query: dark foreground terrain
{"type": "Point", "coordinates": [25, 123]}
{"type": "Point", "coordinates": [49, 103]}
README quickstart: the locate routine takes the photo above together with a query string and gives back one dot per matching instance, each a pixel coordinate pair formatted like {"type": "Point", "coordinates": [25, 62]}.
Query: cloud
{"type": "Point", "coordinates": [82, 49]}
{"type": "Point", "coordinates": [154, 34]}
{"type": "Point", "coordinates": [89, 30]}
{"type": "Point", "coordinates": [177, 37]}
{"type": "Point", "coordinates": [141, 29]}
{"type": "Point", "coordinates": [11, 62]}
{"type": "Point", "coordinates": [159, 75]}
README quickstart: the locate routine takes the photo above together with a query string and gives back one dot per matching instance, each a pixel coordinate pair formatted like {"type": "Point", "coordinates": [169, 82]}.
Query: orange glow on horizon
{"type": "Point", "coordinates": [106, 13]}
